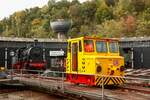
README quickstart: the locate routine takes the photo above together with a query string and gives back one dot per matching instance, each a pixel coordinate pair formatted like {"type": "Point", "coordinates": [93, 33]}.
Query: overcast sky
{"type": "Point", "coordinates": [8, 7]}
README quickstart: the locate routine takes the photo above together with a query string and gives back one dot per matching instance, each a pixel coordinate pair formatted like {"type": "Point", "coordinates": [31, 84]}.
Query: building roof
{"type": "Point", "coordinates": [124, 39]}
{"type": "Point", "coordinates": [31, 39]}
{"type": "Point", "coordinates": [128, 39]}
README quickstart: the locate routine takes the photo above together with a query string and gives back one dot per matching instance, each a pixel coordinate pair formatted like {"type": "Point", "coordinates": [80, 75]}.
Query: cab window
{"type": "Point", "coordinates": [113, 47]}
{"type": "Point", "coordinates": [80, 46]}
{"type": "Point", "coordinates": [101, 46]}
{"type": "Point", "coordinates": [88, 46]}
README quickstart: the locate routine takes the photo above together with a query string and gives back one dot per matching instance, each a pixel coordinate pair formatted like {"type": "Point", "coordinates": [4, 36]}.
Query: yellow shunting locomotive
{"type": "Point", "coordinates": [90, 58]}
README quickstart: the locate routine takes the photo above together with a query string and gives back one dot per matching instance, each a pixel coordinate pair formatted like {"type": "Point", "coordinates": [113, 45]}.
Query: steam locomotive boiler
{"type": "Point", "coordinates": [29, 58]}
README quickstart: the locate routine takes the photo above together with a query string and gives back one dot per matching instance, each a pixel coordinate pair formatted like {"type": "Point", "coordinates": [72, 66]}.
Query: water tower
{"type": "Point", "coordinates": [61, 27]}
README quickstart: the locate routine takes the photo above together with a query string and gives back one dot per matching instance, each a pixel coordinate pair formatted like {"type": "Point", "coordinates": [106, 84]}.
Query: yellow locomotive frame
{"type": "Point", "coordinates": [101, 57]}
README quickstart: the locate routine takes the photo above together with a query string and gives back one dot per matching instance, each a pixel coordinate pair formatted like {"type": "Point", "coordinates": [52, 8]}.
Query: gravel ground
{"type": "Point", "coordinates": [27, 95]}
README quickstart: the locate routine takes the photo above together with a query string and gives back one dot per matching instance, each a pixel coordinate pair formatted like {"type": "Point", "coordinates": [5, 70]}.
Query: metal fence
{"type": "Point", "coordinates": [46, 78]}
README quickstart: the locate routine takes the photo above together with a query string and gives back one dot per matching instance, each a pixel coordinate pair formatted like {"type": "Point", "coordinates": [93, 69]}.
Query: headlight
{"type": "Point", "coordinates": [2, 68]}
{"type": "Point", "coordinates": [98, 69]}
{"type": "Point", "coordinates": [122, 68]}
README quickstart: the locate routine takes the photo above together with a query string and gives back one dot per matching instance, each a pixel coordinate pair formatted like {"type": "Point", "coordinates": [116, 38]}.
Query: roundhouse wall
{"type": "Point", "coordinates": [140, 49]}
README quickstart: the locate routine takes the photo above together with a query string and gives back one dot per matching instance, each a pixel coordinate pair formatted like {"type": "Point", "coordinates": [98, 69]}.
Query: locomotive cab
{"type": "Point", "coordinates": [88, 59]}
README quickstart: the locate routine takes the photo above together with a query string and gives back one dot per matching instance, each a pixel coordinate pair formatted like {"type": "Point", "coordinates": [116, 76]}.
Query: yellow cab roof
{"type": "Point", "coordinates": [93, 38]}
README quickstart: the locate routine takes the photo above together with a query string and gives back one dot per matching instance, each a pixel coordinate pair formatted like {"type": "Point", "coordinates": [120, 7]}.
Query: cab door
{"type": "Point", "coordinates": [68, 61]}
{"type": "Point", "coordinates": [74, 57]}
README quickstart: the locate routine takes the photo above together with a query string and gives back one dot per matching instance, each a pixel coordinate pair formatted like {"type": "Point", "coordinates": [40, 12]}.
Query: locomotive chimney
{"type": "Point", "coordinates": [35, 42]}
{"type": "Point", "coordinates": [61, 27]}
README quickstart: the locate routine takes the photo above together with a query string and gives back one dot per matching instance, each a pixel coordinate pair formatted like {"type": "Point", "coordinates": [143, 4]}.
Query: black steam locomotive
{"type": "Point", "coordinates": [30, 57]}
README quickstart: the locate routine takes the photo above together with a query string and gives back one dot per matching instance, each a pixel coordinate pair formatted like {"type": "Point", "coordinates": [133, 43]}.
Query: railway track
{"type": "Point", "coordinates": [143, 82]}
{"type": "Point", "coordinates": [135, 88]}
{"type": "Point", "coordinates": [7, 90]}
{"type": "Point", "coordinates": [84, 90]}
{"type": "Point", "coordinates": [140, 73]}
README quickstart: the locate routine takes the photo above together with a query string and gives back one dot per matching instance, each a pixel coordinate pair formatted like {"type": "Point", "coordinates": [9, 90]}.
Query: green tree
{"type": "Point", "coordinates": [1, 28]}
{"type": "Point", "coordinates": [110, 18]}
{"type": "Point", "coordinates": [76, 19]}
{"type": "Point", "coordinates": [143, 23]}
{"type": "Point", "coordinates": [88, 10]}
{"type": "Point", "coordinates": [110, 28]}
{"type": "Point", "coordinates": [103, 13]}
{"type": "Point", "coordinates": [139, 5]}
{"type": "Point", "coordinates": [143, 28]}
{"type": "Point", "coordinates": [122, 8]}
{"type": "Point", "coordinates": [110, 2]}
{"type": "Point", "coordinates": [75, 2]}
{"type": "Point", "coordinates": [51, 4]}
